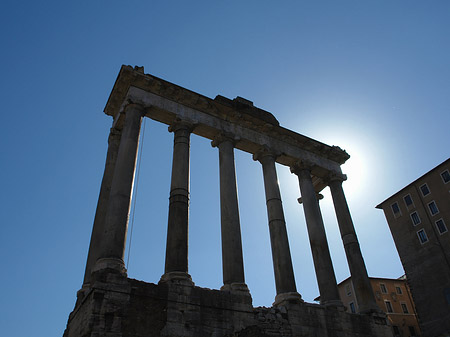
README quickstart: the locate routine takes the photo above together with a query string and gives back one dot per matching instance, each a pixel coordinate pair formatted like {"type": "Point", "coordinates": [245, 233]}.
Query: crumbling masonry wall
{"type": "Point", "coordinates": [118, 306]}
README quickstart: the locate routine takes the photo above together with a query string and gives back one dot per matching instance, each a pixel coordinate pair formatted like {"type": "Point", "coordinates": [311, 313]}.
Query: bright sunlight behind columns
{"type": "Point", "coordinates": [361, 143]}
{"type": "Point", "coordinates": [358, 167]}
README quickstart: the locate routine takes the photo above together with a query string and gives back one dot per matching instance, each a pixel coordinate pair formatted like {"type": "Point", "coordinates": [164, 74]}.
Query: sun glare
{"type": "Point", "coordinates": [357, 167]}
{"type": "Point", "coordinates": [356, 170]}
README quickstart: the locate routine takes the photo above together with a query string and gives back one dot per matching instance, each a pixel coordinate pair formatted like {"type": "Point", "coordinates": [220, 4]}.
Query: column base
{"type": "Point", "coordinates": [236, 287]}
{"type": "Point", "coordinates": [110, 263]}
{"type": "Point", "coordinates": [333, 303]}
{"type": "Point", "coordinates": [371, 311]}
{"type": "Point", "coordinates": [178, 277]}
{"type": "Point", "coordinates": [81, 294]}
{"type": "Point", "coordinates": [84, 289]}
{"type": "Point", "coordinates": [290, 297]}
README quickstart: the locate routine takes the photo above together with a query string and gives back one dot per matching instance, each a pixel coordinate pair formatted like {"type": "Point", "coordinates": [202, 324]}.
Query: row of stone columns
{"type": "Point", "coordinates": [108, 239]}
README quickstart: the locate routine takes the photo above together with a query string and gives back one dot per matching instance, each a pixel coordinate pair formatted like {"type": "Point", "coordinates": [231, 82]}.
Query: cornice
{"type": "Point", "coordinates": [238, 111]}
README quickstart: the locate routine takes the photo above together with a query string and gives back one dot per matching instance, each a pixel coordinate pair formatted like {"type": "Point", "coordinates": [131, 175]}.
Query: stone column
{"type": "Point", "coordinates": [360, 279]}
{"type": "Point", "coordinates": [116, 220]}
{"type": "Point", "coordinates": [176, 267]}
{"type": "Point", "coordinates": [326, 279]}
{"type": "Point", "coordinates": [232, 260]}
{"type": "Point", "coordinates": [281, 255]}
{"type": "Point", "coordinates": [102, 204]}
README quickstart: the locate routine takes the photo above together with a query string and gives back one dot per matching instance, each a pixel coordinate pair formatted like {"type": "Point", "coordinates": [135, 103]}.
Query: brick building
{"type": "Point", "coordinates": [393, 296]}
{"type": "Point", "coordinates": [418, 216]}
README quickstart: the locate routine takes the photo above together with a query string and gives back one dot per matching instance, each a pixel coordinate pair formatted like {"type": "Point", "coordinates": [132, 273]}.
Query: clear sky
{"type": "Point", "coordinates": [372, 77]}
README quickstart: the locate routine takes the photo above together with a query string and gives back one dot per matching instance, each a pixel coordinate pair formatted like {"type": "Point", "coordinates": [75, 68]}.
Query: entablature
{"type": "Point", "coordinates": [252, 127]}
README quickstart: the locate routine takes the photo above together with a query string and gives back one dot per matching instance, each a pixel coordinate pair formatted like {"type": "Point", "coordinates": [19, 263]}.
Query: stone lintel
{"type": "Point", "coordinates": [255, 127]}
{"type": "Point", "coordinates": [250, 138]}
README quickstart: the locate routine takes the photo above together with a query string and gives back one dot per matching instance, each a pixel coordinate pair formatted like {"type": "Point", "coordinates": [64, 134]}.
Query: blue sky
{"type": "Point", "coordinates": [370, 76]}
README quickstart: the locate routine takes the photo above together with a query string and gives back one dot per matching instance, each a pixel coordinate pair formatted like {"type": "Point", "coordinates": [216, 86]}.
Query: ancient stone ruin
{"type": "Point", "coordinates": [111, 304]}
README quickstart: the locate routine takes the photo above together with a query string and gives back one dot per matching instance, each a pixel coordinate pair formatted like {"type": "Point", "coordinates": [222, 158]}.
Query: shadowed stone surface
{"type": "Point", "coordinates": [118, 306]}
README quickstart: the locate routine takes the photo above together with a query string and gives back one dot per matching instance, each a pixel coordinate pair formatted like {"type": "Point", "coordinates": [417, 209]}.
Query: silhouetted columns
{"type": "Point", "coordinates": [281, 255]}
{"type": "Point", "coordinates": [102, 204]}
{"type": "Point", "coordinates": [232, 260]}
{"type": "Point", "coordinates": [360, 279]}
{"type": "Point", "coordinates": [113, 238]}
{"type": "Point", "coordinates": [176, 267]}
{"type": "Point", "coordinates": [326, 279]}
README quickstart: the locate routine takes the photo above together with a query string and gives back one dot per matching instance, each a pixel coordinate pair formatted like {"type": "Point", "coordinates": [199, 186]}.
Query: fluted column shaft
{"type": "Point", "coordinates": [232, 260]}
{"type": "Point", "coordinates": [281, 255]}
{"type": "Point", "coordinates": [326, 279]}
{"type": "Point", "coordinates": [360, 279]}
{"type": "Point", "coordinates": [177, 230]}
{"type": "Point", "coordinates": [102, 204]}
{"type": "Point", "coordinates": [116, 220]}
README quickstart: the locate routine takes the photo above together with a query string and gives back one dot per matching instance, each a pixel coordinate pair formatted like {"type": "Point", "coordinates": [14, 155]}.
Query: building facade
{"type": "Point", "coordinates": [419, 217]}
{"type": "Point", "coordinates": [393, 297]}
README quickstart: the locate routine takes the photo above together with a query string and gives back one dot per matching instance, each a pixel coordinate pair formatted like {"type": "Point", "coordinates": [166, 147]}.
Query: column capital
{"type": "Point", "coordinates": [136, 106]}
{"type": "Point", "coordinates": [301, 165]}
{"type": "Point", "coordinates": [264, 152]}
{"type": "Point", "coordinates": [334, 176]}
{"type": "Point", "coordinates": [223, 137]}
{"type": "Point", "coordinates": [179, 124]}
{"type": "Point", "coordinates": [119, 118]}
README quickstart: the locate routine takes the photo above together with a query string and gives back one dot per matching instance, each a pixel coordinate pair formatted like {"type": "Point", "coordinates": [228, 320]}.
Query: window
{"type": "Point", "coordinates": [388, 306]}
{"type": "Point", "coordinates": [404, 308]}
{"type": "Point", "coordinates": [433, 208]}
{"type": "Point", "coordinates": [352, 307]}
{"type": "Point", "coordinates": [396, 330]}
{"type": "Point", "coordinates": [441, 226]}
{"type": "Point", "coordinates": [445, 176]}
{"type": "Point", "coordinates": [425, 190]}
{"type": "Point", "coordinates": [422, 236]}
{"type": "Point", "coordinates": [412, 331]}
{"type": "Point", "coordinates": [396, 210]}
{"type": "Point", "coordinates": [408, 200]}
{"type": "Point", "coordinates": [398, 290]}
{"type": "Point", "coordinates": [447, 295]}
{"type": "Point", "coordinates": [348, 289]}
{"type": "Point", "coordinates": [415, 218]}
{"type": "Point", "coordinates": [383, 288]}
